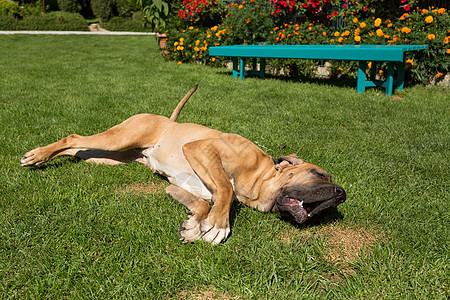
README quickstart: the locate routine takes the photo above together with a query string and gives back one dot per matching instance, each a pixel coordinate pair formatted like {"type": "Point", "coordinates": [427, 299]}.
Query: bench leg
{"type": "Point", "coordinates": [262, 67]}
{"type": "Point", "coordinates": [400, 82]}
{"type": "Point", "coordinates": [242, 69]}
{"type": "Point", "coordinates": [361, 81]}
{"type": "Point", "coordinates": [235, 67]}
{"type": "Point", "coordinates": [389, 84]}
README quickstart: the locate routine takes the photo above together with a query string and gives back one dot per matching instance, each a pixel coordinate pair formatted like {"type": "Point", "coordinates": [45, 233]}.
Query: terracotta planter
{"type": "Point", "coordinates": [162, 39]}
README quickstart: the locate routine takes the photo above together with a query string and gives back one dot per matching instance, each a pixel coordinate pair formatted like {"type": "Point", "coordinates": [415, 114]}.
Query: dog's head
{"type": "Point", "coordinates": [304, 189]}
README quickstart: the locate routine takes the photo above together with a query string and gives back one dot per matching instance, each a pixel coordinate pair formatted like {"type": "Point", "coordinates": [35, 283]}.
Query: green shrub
{"type": "Point", "coordinates": [124, 24]}
{"type": "Point", "coordinates": [59, 21]}
{"type": "Point", "coordinates": [8, 23]}
{"type": "Point", "coordinates": [9, 8]}
{"type": "Point", "coordinates": [103, 9]}
{"type": "Point", "coordinates": [72, 6]}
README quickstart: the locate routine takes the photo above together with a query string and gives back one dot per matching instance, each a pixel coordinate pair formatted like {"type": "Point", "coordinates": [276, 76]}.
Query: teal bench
{"type": "Point", "coordinates": [393, 54]}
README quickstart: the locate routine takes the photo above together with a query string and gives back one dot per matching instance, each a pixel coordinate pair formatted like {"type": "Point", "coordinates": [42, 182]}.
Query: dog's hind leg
{"type": "Point", "coordinates": [190, 230]}
{"type": "Point", "coordinates": [137, 132]}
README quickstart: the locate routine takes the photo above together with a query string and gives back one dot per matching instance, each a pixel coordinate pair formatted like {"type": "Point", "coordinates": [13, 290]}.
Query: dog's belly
{"type": "Point", "coordinates": [167, 158]}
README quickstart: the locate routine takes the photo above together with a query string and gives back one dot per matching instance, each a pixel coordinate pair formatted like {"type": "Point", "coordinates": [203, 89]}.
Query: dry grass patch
{"type": "Point", "coordinates": [342, 245]}
{"type": "Point", "coordinates": [208, 294]}
{"type": "Point", "coordinates": [139, 188]}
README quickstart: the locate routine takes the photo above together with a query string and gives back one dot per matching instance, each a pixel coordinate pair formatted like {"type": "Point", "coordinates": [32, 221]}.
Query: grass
{"type": "Point", "coordinates": [71, 229]}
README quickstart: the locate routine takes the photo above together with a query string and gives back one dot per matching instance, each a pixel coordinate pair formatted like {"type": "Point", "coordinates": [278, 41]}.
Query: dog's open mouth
{"type": "Point", "coordinates": [309, 209]}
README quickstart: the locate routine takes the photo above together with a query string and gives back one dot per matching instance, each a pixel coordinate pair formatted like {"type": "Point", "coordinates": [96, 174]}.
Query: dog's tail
{"type": "Point", "coordinates": [180, 105]}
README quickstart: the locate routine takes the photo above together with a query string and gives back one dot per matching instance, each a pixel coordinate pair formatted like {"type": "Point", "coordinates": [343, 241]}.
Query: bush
{"type": "Point", "coordinates": [60, 21]}
{"type": "Point", "coordinates": [124, 24]}
{"type": "Point", "coordinates": [103, 9]}
{"type": "Point", "coordinates": [8, 23]}
{"type": "Point", "coordinates": [9, 8]}
{"type": "Point", "coordinates": [72, 6]}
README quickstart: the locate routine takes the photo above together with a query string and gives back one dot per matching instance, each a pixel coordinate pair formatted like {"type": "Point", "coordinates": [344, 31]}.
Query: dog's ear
{"type": "Point", "coordinates": [287, 160]}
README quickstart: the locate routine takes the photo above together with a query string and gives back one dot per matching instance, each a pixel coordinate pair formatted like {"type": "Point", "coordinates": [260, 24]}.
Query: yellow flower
{"type": "Point", "coordinates": [377, 22]}
{"type": "Point", "coordinates": [336, 34]}
{"type": "Point", "coordinates": [197, 42]}
{"type": "Point", "coordinates": [379, 32]}
{"type": "Point", "coordinates": [191, 27]}
{"type": "Point", "coordinates": [357, 38]}
{"type": "Point", "coordinates": [406, 30]}
{"type": "Point", "coordinates": [208, 36]}
{"type": "Point", "coordinates": [409, 62]}
{"type": "Point", "coordinates": [181, 39]}
{"type": "Point", "coordinates": [197, 49]}
{"type": "Point", "coordinates": [429, 19]}
{"type": "Point", "coordinates": [175, 44]}
{"type": "Point", "coordinates": [369, 65]}
{"type": "Point", "coordinates": [241, 6]}
{"type": "Point", "coordinates": [431, 36]}
{"type": "Point", "coordinates": [362, 25]}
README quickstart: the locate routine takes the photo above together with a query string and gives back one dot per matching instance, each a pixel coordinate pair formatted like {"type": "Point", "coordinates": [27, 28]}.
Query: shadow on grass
{"type": "Point", "coordinates": [337, 82]}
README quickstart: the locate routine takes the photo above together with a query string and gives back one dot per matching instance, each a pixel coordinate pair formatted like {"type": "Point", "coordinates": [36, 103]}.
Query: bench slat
{"type": "Point", "coordinates": [334, 52]}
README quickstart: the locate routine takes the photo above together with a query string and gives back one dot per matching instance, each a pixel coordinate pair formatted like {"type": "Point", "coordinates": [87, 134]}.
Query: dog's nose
{"type": "Point", "coordinates": [338, 191]}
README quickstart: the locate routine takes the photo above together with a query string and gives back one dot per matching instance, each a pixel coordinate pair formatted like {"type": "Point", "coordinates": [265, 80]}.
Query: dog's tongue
{"type": "Point", "coordinates": [291, 202]}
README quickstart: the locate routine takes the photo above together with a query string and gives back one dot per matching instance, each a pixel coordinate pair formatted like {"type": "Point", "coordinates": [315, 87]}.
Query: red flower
{"type": "Point", "coordinates": [305, 5]}
{"type": "Point", "coordinates": [406, 7]}
{"type": "Point", "coordinates": [335, 13]}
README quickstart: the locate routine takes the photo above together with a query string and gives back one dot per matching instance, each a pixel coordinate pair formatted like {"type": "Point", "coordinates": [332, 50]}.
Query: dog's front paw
{"type": "Point", "coordinates": [213, 233]}
{"type": "Point", "coordinates": [34, 157]}
{"type": "Point", "coordinates": [190, 231]}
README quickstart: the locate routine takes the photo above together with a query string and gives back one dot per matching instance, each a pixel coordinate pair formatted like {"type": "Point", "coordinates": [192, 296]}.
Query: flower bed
{"type": "Point", "coordinates": [263, 21]}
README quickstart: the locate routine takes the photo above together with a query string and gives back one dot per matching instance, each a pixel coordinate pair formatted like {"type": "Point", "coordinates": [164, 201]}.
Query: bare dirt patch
{"type": "Point", "coordinates": [208, 294]}
{"type": "Point", "coordinates": [139, 188]}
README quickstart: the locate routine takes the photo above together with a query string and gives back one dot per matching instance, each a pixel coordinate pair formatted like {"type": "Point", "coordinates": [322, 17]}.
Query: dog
{"type": "Point", "coordinates": [206, 169]}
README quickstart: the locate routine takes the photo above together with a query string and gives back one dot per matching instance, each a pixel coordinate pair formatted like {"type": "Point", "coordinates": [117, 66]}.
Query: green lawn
{"type": "Point", "coordinates": [71, 229]}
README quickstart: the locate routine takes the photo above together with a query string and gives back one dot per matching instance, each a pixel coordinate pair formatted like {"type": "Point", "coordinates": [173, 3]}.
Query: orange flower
{"type": "Point", "coordinates": [441, 11]}
{"type": "Point", "coordinates": [405, 15]}
{"type": "Point", "coordinates": [324, 33]}
{"type": "Point", "coordinates": [362, 25]}
{"type": "Point", "coordinates": [431, 36]}
{"type": "Point", "coordinates": [336, 34]}
{"type": "Point", "coordinates": [406, 30]}
{"type": "Point", "coordinates": [448, 51]}
{"type": "Point", "coordinates": [241, 6]}
{"type": "Point", "coordinates": [355, 20]}
{"type": "Point", "coordinates": [446, 40]}
{"type": "Point", "coordinates": [179, 62]}
{"type": "Point", "coordinates": [429, 19]}
{"type": "Point", "coordinates": [213, 59]}
{"type": "Point", "coordinates": [439, 75]}
{"type": "Point", "coordinates": [357, 38]}
{"type": "Point", "coordinates": [248, 20]}
{"type": "Point", "coordinates": [424, 11]}
{"type": "Point", "coordinates": [409, 62]}
{"type": "Point", "coordinates": [340, 40]}
{"type": "Point", "coordinates": [380, 32]}
{"type": "Point", "coordinates": [369, 65]}
{"type": "Point", "coordinates": [377, 22]}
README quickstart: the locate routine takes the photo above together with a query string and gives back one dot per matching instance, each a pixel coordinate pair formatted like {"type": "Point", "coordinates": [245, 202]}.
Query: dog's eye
{"type": "Point", "coordinates": [321, 175]}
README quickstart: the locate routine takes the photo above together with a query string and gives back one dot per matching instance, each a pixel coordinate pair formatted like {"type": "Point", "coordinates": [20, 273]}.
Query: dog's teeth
{"type": "Point", "coordinates": [309, 215]}
{"type": "Point", "coordinates": [301, 204]}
